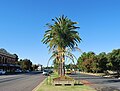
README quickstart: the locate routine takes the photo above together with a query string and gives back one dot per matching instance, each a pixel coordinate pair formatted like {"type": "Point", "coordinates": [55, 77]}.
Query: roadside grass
{"type": "Point", "coordinates": [47, 86]}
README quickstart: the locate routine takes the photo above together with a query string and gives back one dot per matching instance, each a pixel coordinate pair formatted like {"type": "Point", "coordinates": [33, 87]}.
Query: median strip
{"type": "Point", "coordinates": [47, 85]}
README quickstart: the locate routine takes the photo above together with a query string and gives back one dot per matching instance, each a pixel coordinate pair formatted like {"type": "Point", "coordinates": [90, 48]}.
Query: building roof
{"type": "Point", "coordinates": [4, 52]}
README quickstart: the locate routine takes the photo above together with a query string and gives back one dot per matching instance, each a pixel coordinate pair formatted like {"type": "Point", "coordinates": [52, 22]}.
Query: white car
{"type": "Point", "coordinates": [2, 71]}
{"type": "Point", "coordinates": [18, 71]}
{"type": "Point", "coordinates": [45, 72]}
{"type": "Point", "coordinates": [27, 71]}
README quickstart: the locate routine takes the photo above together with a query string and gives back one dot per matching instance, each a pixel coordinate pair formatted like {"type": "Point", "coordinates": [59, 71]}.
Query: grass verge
{"type": "Point", "coordinates": [47, 86]}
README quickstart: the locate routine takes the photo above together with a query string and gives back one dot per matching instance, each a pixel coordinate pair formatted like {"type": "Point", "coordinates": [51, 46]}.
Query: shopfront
{"type": "Point", "coordinates": [8, 62]}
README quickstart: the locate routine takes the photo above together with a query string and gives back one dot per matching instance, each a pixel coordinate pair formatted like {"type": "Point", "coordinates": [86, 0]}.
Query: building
{"type": "Point", "coordinates": [8, 62]}
{"type": "Point", "coordinates": [40, 67]}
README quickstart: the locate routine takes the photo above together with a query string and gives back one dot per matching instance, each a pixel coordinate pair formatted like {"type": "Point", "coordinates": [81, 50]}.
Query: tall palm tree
{"type": "Point", "coordinates": [61, 35]}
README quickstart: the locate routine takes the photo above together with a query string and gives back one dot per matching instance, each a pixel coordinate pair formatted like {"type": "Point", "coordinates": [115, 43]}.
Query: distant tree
{"type": "Point", "coordinates": [16, 57]}
{"type": "Point", "coordinates": [70, 66]}
{"type": "Point", "coordinates": [102, 61]}
{"type": "Point", "coordinates": [91, 62]}
{"type": "Point", "coordinates": [35, 67]}
{"type": "Point", "coordinates": [88, 62]}
{"type": "Point", "coordinates": [67, 66]}
{"type": "Point", "coordinates": [80, 61]}
{"type": "Point", "coordinates": [25, 64]}
{"type": "Point", "coordinates": [114, 60]}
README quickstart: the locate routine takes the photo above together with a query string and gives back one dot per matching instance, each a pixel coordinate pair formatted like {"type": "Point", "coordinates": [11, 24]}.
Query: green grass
{"type": "Point", "coordinates": [46, 86]}
{"type": "Point", "coordinates": [64, 88]}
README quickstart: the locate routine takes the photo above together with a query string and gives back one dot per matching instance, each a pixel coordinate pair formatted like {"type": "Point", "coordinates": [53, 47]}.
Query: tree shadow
{"type": "Point", "coordinates": [113, 81]}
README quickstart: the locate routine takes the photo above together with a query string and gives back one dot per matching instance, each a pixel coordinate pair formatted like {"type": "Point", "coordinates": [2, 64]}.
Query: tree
{"type": "Point", "coordinates": [25, 64]}
{"type": "Point", "coordinates": [16, 57]}
{"type": "Point", "coordinates": [102, 61]}
{"type": "Point", "coordinates": [60, 36]}
{"type": "Point", "coordinates": [114, 60]}
{"type": "Point", "coordinates": [88, 62]}
{"type": "Point", "coordinates": [35, 67]}
{"type": "Point", "coordinates": [80, 63]}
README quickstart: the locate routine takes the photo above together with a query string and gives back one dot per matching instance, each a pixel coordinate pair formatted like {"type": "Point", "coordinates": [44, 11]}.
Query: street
{"type": "Point", "coordinates": [28, 81]}
{"type": "Point", "coordinates": [99, 83]}
{"type": "Point", "coordinates": [20, 82]}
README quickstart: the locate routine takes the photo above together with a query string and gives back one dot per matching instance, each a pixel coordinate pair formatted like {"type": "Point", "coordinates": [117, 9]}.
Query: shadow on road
{"type": "Point", "coordinates": [98, 82]}
{"type": "Point", "coordinates": [107, 89]}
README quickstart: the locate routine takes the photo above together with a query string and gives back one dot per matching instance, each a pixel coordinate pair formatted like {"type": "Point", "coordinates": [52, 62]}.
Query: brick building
{"type": "Point", "coordinates": [8, 61]}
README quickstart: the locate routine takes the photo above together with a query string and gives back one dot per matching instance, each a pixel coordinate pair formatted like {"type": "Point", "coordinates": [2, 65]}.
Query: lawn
{"type": "Point", "coordinates": [46, 86]}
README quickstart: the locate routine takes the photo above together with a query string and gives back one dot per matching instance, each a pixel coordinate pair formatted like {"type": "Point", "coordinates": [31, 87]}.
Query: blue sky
{"type": "Point", "coordinates": [22, 25]}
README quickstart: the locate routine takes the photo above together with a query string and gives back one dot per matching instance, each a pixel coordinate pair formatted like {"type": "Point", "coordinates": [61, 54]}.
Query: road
{"type": "Point", "coordinates": [99, 83]}
{"type": "Point", "coordinates": [20, 82]}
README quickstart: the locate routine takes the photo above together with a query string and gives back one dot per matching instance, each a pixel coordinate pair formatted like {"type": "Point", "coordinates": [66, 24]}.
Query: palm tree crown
{"type": "Point", "coordinates": [61, 34]}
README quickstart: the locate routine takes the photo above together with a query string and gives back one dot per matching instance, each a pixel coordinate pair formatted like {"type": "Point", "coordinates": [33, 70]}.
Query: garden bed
{"type": "Point", "coordinates": [65, 81]}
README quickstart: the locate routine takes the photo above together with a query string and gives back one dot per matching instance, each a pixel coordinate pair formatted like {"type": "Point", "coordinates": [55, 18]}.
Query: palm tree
{"type": "Point", "coordinates": [60, 36]}
{"type": "Point", "coordinates": [67, 53]}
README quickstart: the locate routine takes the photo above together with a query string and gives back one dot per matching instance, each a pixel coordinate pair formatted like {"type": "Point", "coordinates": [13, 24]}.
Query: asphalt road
{"type": "Point", "coordinates": [20, 82]}
{"type": "Point", "coordinates": [99, 83]}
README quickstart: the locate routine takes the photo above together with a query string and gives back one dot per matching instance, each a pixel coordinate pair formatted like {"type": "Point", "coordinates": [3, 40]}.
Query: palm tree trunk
{"type": "Point", "coordinates": [61, 68]}
{"type": "Point", "coordinates": [61, 71]}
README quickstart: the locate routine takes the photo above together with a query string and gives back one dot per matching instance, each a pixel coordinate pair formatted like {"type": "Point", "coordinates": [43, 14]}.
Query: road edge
{"type": "Point", "coordinates": [94, 74]}
{"type": "Point", "coordinates": [37, 87]}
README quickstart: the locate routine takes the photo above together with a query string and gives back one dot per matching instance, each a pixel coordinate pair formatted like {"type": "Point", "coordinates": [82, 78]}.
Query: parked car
{"type": "Point", "coordinates": [2, 71]}
{"type": "Point", "coordinates": [27, 71]}
{"type": "Point", "coordinates": [46, 72]}
{"type": "Point", "coordinates": [68, 71]}
{"type": "Point", "coordinates": [50, 71]}
{"type": "Point", "coordinates": [18, 71]}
